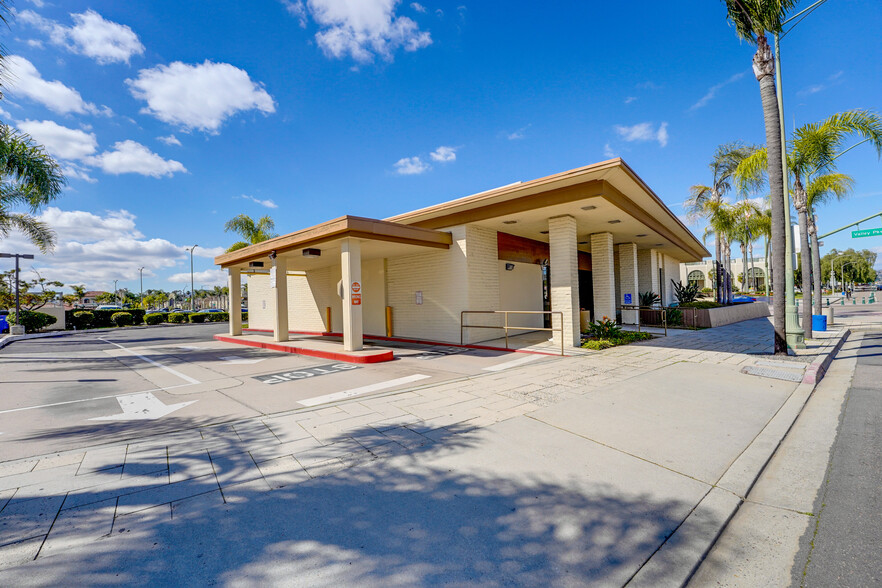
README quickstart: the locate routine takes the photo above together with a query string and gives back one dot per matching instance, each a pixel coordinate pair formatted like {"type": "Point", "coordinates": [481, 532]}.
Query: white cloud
{"type": "Point", "coordinates": [409, 166]}
{"type": "Point", "coordinates": [132, 157]}
{"type": "Point", "coordinates": [418, 7]}
{"type": "Point", "coordinates": [444, 154]}
{"type": "Point", "coordinates": [630, 99]}
{"type": "Point", "coordinates": [87, 227]}
{"type": "Point", "coordinates": [210, 277]}
{"type": "Point", "coordinates": [102, 40]}
{"type": "Point", "coordinates": [200, 96]}
{"type": "Point", "coordinates": [209, 252]}
{"type": "Point", "coordinates": [297, 9]}
{"type": "Point", "coordinates": [833, 80]}
{"type": "Point", "coordinates": [644, 132]}
{"type": "Point", "coordinates": [170, 140]}
{"type": "Point", "coordinates": [712, 92]}
{"type": "Point", "coordinates": [608, 151]}
{"type": "Point", "coordinates": [518, 134]}
{"type": "Point", "coordinates": [35, 43]}
{"type": "Point", "coordinates": [266, 203]}
{"type": "Point", "coordinates": [37, 3]}
{"type": "Point", "coordinates": [76, 172]}
{"type": "Point", "coordinates": [364, 29]}
{"type": "Point", "coordinates": [25, 80]}
{"type": "Point", "coordinates": [61, 142]}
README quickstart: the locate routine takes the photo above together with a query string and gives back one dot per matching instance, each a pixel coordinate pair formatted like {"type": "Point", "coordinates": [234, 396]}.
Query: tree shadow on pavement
{"type": "Point", "coordinates": [414, 518]}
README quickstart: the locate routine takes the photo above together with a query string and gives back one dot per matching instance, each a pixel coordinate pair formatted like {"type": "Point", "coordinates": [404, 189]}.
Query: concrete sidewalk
{"type": "Point", "coordinates": [619, 467]}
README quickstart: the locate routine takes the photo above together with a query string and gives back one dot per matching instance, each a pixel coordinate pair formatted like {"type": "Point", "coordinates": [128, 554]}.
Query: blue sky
{"type": "Point", "coordinates": [172, 117]}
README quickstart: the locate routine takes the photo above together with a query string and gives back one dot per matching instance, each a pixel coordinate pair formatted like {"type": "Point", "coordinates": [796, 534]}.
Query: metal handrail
{"type": "Point", "coordinates": [506, 326]}
{"type": "Point", "coordinates": [638, 308]}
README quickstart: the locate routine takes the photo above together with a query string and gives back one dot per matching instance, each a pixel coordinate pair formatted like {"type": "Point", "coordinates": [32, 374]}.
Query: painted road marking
{"type": "Point", "coordinates": [363, 390]}
{"type": "Point", "coordinates": [511, 364]}
{"type": "Point", "coordinates": [303, 373]}
{"type": "Point", "coordinates": [142, 407]}
{"type": "Point", "coordinates": [88, 399]}
{"type": "Point", "coordinates": [154, 363]}
{"type": "Point", "coordinates": [237, 360]}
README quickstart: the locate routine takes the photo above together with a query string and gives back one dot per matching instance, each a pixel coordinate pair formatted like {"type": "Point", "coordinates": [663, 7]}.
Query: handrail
{"type": "Point", "coordinates": [638, 308]}
{"type": "Point", "coordinates": [506, 326]}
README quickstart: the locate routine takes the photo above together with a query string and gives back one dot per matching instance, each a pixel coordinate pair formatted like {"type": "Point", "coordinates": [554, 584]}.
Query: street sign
{"type": "Point", "coordinates": [866, 233]}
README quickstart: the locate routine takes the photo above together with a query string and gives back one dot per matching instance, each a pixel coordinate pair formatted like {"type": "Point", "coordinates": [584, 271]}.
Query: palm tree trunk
{"type": "Point", "coordinates": [744, 286]}
{"type": "Point", "coordinates": [718, 285]}
{"type": "Point", "coordinates": [763, 66]}
{"type": "Point", "coordinates": [806, 267]}
{"type": "Point", "coordinates": [752, 270]}
{"type": "Point", "coordinates": [768, 277]}
{"type": "Point", "coordinates": [816, 264]}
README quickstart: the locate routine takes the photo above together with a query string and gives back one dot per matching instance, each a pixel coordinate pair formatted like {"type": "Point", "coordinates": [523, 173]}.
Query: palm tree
{"type": "Point", "coordinates": [704, 201]}
{"type": "Point", "coordinates": [252, 232]}
{"type": "Point", "coordinates": [743, 215]}
{"type": "Point", "coordinates": [820, 190]}
{"type": "Point", "coordinates": [29, 178]}
{"type": "Point", "coordinates": [722, 225]}
{"type": "Point", "coordinates": [752, 20]}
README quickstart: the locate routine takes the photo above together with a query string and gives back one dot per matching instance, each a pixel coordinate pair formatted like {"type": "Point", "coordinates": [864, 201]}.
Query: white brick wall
{"type": "Point", "coordinates": [628, 279]}
{"type": "Point", "coordinates": [564, 258]}
{"type": "Point", "coordinates": [672, 272]}
{"type": "Point", "coordinates": [260, 310]}
{"type": "Point", "coordinates": [603, 276]}
{"type": "Point", "coordinates": [647, 270]}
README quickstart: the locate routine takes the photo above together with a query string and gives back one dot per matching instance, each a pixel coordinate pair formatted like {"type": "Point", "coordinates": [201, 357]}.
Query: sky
{"type": "Point", "coordinates": [170, 118]}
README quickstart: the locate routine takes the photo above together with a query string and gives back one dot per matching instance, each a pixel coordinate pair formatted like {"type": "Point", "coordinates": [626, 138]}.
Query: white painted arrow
{"type": "Point", "coordinates": [143, 406]}
{"type": "Point", "coordinates": [235, 359]}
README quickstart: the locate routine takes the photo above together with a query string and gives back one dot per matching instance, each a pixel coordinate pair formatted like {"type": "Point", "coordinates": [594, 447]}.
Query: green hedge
{"type": "Point", "coordinates": [81, 319]}
{"type": "Point", "coordinates": [198, 317]}
{"type": "Point", "coordinates": [177, 317]}
{"type": "Point", "coordinates": [218, 317]}
{"type": "Point", "coordinates": [121, 319]}
{"type": "Point", "coordinates": [154, 318]}
{"type": "Point", "coordinates": [102, 318]}
{"type": "Point", "coordinates": [32, 320]}
{"type": "Point", "coordinates": [622, 338]}
{"type": "Point", "coordinates": [701, 304]}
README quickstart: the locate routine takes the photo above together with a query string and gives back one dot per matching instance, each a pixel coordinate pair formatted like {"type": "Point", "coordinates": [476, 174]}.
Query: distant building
{"type": "Point", "coordinates": [702, 273]}
{"type": "Point", "coordinates": [89, 299]}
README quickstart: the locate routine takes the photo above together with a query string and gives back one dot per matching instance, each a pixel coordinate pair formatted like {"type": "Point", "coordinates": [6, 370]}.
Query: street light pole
{"type": "Point", "coordinates": [141, 276]}
{"type": "Point", "coordinates": [192, 293]}
{"type": "Point", "coordinates": [115, 291]}
{"type": "Point", "coordinates": [17, 256]}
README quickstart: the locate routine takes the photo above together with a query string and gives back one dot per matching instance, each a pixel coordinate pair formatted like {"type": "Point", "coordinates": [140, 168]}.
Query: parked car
{"type": "Point", "coordinates": [4, 321]}
{"type": "Point", "coordinates": [180, 310]}
{"type": "Point", "coordinates": [742, 298]}
{"type": "Point", "coordinates": [210, 311]}
{"type": "Point", "coordinates": [109, 307]}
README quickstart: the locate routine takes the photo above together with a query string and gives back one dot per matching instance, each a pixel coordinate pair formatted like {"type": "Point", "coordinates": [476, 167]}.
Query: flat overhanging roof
{"type": "Point", "coordinates": [378, 237]}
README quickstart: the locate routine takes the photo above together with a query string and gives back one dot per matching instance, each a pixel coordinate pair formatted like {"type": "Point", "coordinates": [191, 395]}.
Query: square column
{"type": "Point", "coordinates": [235, 286]}
{"type": "Point", "coordinates": [629, 281]}
{"type": "Point", "coordinates": [603, 276]}
{"type": "Point", "coordinates": [353, 326]}
{"type": "Point", "coordinates": [564, 259]}
{"type": "Point", "coordinates": [279, 286]}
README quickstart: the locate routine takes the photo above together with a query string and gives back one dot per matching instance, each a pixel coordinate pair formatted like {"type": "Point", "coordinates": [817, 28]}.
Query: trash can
{"type": "Point", "coordinates": [819, 322]}
{"type": "Point", "coordinates": [828, 312]}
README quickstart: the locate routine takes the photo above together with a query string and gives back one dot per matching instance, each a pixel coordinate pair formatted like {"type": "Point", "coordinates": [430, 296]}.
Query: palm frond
{"type": "Point", "coordinates": [826, 186]}
{"type": "Point", "coordinates": [751, 173]}
{"type": "Point", "coordinates": [30, 167]}
{"type": "Point", "coordinates": [37, 232]}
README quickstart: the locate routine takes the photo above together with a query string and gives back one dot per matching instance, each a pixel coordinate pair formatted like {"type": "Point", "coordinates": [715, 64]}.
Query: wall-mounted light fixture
{"type": "Point", "coordinates": [312, 253]}
{"type": "Point", "coordinates": [589, 207]}
{"type": "Point", "coordinates": [509, 267]}
{"type": "Point", "coordinates": [510, 222]}
{"type": "Point", "coordinates": [643, 235]}
{"type": "Point", "coordinates": [614, 222]}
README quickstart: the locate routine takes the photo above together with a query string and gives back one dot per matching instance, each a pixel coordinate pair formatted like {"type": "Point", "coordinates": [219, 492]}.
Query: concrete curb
{"type": "Point", "coordinates": [679, 557]}
{"type": "Point", "coordinates": [10, 339]}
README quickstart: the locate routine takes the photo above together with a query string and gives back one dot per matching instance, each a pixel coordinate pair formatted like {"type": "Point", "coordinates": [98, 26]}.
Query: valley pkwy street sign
{"type": "Point", "coordinates": [866, 233]}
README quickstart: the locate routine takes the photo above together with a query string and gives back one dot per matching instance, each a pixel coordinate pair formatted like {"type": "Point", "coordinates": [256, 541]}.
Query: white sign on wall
{"type": "Point", "coordinates": [419, 296]}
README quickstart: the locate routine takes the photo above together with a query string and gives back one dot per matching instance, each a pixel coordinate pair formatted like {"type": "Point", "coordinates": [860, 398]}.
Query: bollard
{"type": "Point", "coordinates": [828, 312]}
{"type": "Point", "coordinates": [863, 300]}
{"type": "Point", "coordinates": [842, 302]}
{"type": "Point", "coordinates": [828, 302]}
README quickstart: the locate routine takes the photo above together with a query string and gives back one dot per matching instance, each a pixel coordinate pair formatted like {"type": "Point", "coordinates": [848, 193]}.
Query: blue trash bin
{"type": "Point", "coordinates": [819, 322]}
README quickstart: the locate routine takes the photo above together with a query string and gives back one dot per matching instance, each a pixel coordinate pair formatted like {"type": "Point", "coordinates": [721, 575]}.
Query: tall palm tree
{"type": "Point", "coordinates": [722, 225]}
{"type": "Point", "coordinates": [29, 178]}
{"type": "Point", "coordinates": [752, 20]}
{"type": "Point", "coordinates": [253, 232]}
{"type": "Point", "coordinates": [743, 214]}
{"type": "Point", "coordinates": [704, 201]}
{"type": "Point", "coordinates": [819, 191]}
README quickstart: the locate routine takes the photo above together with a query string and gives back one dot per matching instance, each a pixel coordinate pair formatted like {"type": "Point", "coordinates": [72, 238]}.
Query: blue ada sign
{"type": "Point", "coordinates": [628, 299]}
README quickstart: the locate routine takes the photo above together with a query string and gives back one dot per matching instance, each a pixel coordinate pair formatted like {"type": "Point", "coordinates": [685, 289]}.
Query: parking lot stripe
{"type": "Point", "coordinates": [511, 364]}
{"type": "Point", "coordinates": [362, 390]}
{"type": "Point", "coordinates": [91, 399]}
{"type": "Point", "coordinates": [157, 364]}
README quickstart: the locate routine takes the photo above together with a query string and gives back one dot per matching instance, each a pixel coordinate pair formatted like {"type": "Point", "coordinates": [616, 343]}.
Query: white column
{"type": "Point", "coordinates": [235, 308]}
{"type": "Point", "coordinates": [564, 258]}
{"type": "Point", "coordinates": [279, 285]}
{"type": "Point", "coordinates": [353, 327]}
{"type": "Point", "coordinates": [603, 276]}
{"type": "Point", "coordinates": [628, 279]}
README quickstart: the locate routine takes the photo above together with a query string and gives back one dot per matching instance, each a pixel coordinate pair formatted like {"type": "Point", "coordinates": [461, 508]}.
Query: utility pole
{"type": "Point", "coordinates": [115, 292]}
{"type": "Point", "coordinates": [141, 275]}
{"type": "Point", "coordinates": [17, 329]}
{"type": "Point", "coordinates": [192, 293]}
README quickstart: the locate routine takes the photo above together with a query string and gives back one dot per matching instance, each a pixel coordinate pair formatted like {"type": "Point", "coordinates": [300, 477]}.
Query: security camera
{"type": "Point", "coordinates": [272, 254]}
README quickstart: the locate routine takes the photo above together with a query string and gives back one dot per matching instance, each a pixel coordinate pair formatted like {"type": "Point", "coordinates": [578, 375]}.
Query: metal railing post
{"type": "Point", "coordinates": [506, 328]}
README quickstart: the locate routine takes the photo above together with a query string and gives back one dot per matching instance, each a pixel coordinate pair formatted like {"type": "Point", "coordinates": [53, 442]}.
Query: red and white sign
{"type": "Point", "coordinates": [356, 287]}
{"type": "Point", "coordinates": [356, 299]}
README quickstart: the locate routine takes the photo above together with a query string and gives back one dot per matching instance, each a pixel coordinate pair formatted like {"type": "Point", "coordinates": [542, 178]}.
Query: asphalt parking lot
{"type": "Point", "coordinates": [81, 390]}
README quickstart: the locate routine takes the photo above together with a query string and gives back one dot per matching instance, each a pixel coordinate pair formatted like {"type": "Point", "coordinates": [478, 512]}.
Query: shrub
{"type": "Point", "coordinates": [707, 290]}
{"type": "Point", "coordinates": [177, 317]}
{"type": "Point", "coordinates": [244, 317]}
{"type": "Point", "coordinates": [603, 329]}
{"type": "Point", "coordinates": [701, 304]}
{"type": "Point", "coordinates": [218, 317]}
{"type": "Point", "coordinates": [674, 316]}
{"type": "Point", "coordinates": [649, 299]}
{"type": "Point", "coordinates": [154, 318]}
{"type": "Point", "coordinates": [121, 319]}
{"type": "Point", "coordinates": [32, 320]}
{"type": "Point", "coordinates": [198, 317]}
{"type": "Point", "coordinates": [685, 294]}
{"type": "Point", "coordinates": [82, 319]}
{"type": "Point", "coordinates": [623, 338]}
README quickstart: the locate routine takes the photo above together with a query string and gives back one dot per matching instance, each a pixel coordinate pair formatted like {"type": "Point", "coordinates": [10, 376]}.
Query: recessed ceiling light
{"type": "Point", "coordinates": [614, 222]}
{"type": "Point", "coordinates": [643, 235]}
{"type": "Point", "coordinates": [543, 232]}
{"type": "Point", "coordinates": [583, 242]}
{"type": "Point", "coordinates": [589, 207]}
{"type": "Point", "coordinates": [509, 222]}
{"type": "Point", "coordinates": [658, 245]}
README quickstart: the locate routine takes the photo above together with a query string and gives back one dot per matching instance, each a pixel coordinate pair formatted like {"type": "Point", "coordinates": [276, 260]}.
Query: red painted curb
{"type": "Point", "coordinates": [374, 358]}
{"type": "Point", "coordinates": [414, 341]}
